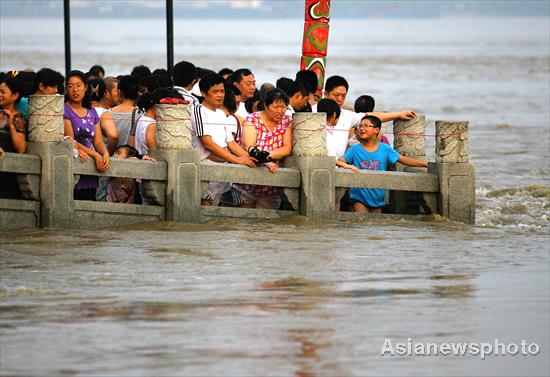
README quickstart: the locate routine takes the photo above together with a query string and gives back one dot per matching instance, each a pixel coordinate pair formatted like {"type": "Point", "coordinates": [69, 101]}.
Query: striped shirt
{"type": "Point", "coordinates": [187, 95]}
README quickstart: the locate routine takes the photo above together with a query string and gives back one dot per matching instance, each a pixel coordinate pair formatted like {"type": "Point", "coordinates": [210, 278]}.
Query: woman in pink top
{"type": "Point", "coordinates": [270, 131]}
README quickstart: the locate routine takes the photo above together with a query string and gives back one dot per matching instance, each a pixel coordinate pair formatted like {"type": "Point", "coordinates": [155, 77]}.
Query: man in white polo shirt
{"type": "Point", "coordinates": [336, 88]}
{"type": "Point", "coordinates": [211, 136]}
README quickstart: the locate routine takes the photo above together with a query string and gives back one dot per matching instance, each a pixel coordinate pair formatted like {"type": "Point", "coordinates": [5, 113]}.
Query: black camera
{"type": "Point", "coordinates": [261, 156]}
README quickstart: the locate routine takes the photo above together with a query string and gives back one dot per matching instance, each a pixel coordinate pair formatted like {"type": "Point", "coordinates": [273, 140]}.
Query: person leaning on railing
{"type": "Point", "coordinates": [267, 136]}
{"type": "Point", "coordinates": [82, 125]}
{"type": "Point", "coordinates": [13, 131]}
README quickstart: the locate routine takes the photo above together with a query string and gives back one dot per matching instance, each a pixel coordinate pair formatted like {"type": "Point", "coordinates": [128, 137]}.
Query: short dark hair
{"type": "Point", "coordinates": [184, 73]}
{"type": "Point", "coordinates": [132, 152]}
{"type": "Point", "coordinates": [201, 72]}
{"type": "Point", "coordinates": [299, 86]}
{"type": "Point", "coordinates": [364, 104]}
{"type": "Point", "coordinates": [238, 75]}
{"type": "Point", "coordinates": [160, 71]}
{"type": "Point", "coordinates": [328, 106]}
{"type": "Point", "coordinates": [376, 122]}
{"type": "Point", "coordinates": [141, 70]}
{"type": "Point", "coordinates": [334, 82]}
{"type": "Point", "coordinates": [225, 71]}
{"type": "Point", "coordinates": [148, 100]}
{"type": "Point", "coordinates": [156, 81]}
{"type": "Point", "coordinates": [310, 77]}
{"type": "Point", "coordinates": [275, 95]}
{"type": "Point", "coordinates": [284, 83]}
{"type": "Point", "coordinates": [96, 70]}
{"type": "Point", "coordinates": [15, 85]}
{"type": "Point", "coordinates": [48, 77]}
{"type": "Point", "coordinates": [209, 81]}
{"type": "Point", "coordinates": [129, 87]}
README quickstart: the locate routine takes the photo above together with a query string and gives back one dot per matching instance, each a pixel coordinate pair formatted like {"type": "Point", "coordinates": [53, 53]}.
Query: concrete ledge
{"type": "Point", "coordinates": [245, 213]}
{"type": "Point", "coordinates": [124, 167]}
{"type": "Point", "coordinates": [136, 209]}
{"type": "Point", "coordinates": [93, 215]}
{"type": "Point", "coordinates": [234, 173]}
{"type": "Point", "coordinates": [18, 214]}
{"type": "Point", "coordinates": [20, 163]}
{"type": "Point", "coordinates": [374, 216]}
{"type": "Point", "coordinates": [400, 181]}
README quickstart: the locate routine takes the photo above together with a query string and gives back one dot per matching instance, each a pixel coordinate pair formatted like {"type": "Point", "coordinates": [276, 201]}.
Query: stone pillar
{"type": "Point", "coordinates": [46, 118]}
{"type": "Point", "coordinates": [184, 176]}
{"type": "Point", "coordinates": [409, 137]}
{"type": "Point", "coordinates": [309, 136]}
{"type": "Point", "coordinates": [46, 139]}
{"type": "Point", "coordinates": [456, 175]}
{"type": "Point", "coordinates": [173, 126]}
{"type": "Point", "coordinates": [410, 140]}
{"type": "Point", "coordinates": [317, 169]}
{"type": "Point", "coordinates": [451, 141]}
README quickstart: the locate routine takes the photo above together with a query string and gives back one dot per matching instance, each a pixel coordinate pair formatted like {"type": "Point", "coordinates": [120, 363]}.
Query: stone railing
{"type": "Point", "coordinates": [310, 180]}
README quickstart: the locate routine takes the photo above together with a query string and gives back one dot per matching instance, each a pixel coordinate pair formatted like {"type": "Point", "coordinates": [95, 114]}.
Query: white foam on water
{"type": "Point", "coordinates": [521, 208]}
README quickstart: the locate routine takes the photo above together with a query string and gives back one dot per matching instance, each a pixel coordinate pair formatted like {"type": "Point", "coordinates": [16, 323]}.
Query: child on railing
{"type": "Point", "coordinates": [371, 154]}
{"type": "Point", "coordinates": [121, 189]}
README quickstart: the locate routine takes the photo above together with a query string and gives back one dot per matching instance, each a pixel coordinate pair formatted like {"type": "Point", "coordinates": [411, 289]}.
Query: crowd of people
{"type": "Point", "coordinates": [232, 120]}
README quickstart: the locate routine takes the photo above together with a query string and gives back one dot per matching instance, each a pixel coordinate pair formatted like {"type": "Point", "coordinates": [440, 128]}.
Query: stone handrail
{"type": "Point", "coordinates": [401, 181]}
{"type": "Point", "coordinates": [219, 172]}
{"type": "Point", "coordinates": [123, 167]}
{"type": "Point", "coordinates": [20, 163]}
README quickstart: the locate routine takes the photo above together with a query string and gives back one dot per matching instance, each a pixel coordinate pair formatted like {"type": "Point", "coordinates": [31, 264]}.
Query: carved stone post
{"type": "Point", "coordinates": [410, 140]}
{"type": "Point", "coordinates": [456, 175]}
{"type": "Point", "coordinates": [173, 126]}
{"type": "Point", "coordinates": [184, 176]}
{"type": "Point", "coordinates": [451, 141]}
{"type": "Point", "coordinates": [46, 118]}
{"type": "Point", "coordinates": [309, 137]}
{"type": "Point", "coordinates": [409, 137]}
{"type": "Point", "coordinates": [46, 139]}
{"type": "Point", "coordinates": [317, 169]}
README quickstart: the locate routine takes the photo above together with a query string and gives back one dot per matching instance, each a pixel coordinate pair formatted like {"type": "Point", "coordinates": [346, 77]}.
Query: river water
{"type": "Point", "coordinates": [295, 296]}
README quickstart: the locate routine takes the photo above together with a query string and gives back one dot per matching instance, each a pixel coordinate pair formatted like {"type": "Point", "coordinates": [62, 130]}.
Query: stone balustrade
{"type": "Point", "coordinates": [176, 180]}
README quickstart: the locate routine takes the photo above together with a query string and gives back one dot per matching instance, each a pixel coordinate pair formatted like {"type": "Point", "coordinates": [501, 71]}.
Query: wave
{"type": "Point", "coordinates": [520, 208]}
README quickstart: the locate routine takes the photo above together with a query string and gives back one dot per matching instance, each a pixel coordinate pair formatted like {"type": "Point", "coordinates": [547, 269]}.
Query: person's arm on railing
{"type": "Point", "coordinates": [286, 149]}
{"type": "Point", "coordinates": [344, 164]}
{"type": "Point", "coordinates": [224, 154]}
{"type": "Point", "coordinates": [412, 162]}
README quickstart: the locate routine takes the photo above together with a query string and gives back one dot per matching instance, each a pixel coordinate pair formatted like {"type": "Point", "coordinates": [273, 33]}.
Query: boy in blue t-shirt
{"type": "Point", "coordinates": [371, 155]}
